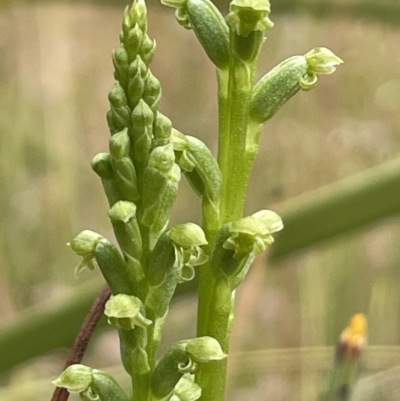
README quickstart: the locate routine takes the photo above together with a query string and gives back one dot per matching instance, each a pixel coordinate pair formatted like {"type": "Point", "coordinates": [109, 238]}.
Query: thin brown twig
{"type": "Point", "coordinates": [83, 337]}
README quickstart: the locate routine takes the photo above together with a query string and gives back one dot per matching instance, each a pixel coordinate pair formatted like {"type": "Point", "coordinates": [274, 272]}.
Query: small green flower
{"type": "Point", "coordinates": [249, 15]}
{"type": "Point", "coordinates": [84, 245]}
{"type": "Point", "coordinates": [172, 261]}
{"type": "Point", "coordinates": [252, 234]}
{"type": "Point", "coordinates": [238, 243]}
{"type": "Point", "coordinates": [90, 384]}
{"type": "Point", "coordinates": [76, 378]}
{"type": "Point", "coordinates": [123, 311]}
{"type": "Point", "coordinates": [321, 60]}
{"type": "Point", "coordinates": [188, 239]}
{"type": "Point", "coordinates": [205, 349]}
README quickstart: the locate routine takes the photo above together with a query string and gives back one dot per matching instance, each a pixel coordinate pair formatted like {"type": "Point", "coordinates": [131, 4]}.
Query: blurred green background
{"type": "Point", "coordinates": [330, 163]}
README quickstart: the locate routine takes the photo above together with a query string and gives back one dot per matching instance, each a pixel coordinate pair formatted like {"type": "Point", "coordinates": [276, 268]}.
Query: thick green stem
{"type": "Point", "coordinates": [232, 154]}
{"type": "Point", "coordinates": [235, 159]}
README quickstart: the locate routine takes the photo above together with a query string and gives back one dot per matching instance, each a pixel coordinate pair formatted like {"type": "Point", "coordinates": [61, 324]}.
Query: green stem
{"type": "Point", "coordinates": [235, 159]}
{"type": "Point", "coordinates": [232, 150]}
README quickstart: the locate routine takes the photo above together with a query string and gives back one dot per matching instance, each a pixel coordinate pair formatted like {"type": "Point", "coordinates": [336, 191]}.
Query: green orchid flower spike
{"type": "Point", "coordinates": [141, 175]}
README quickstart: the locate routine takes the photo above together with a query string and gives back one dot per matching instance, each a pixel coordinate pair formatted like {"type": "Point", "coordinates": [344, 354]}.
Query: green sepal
{"type": "Point", "coordinates": [247, 16]}
{"type": "Point", "coordinates": [135, 15]}
{"type": "Point", "coordinates": [125, 173]}
{"type": "Point", "coordinates": [133, 41]}
{"type": "Point", "coordinates": [142, 133]}
{"type": "Point", "coordinates": [142, 115]}
{"type": "Point", "coordinates": [91, 384]}
{"type": "Point", "coordinates": [138, 14]}
{"type": "Point", "coordinates": [187, 236]}
{"type": "Point", "coordinates": [204, 349]}
{"type": "Point", "coordinates": [127, 23]}
{"type": "Point", "coordinates": [137, 73]}
{"type": "Point", "coordinates": [124, 311]}
{"type": "Point", "coordinates": [102, 166]}
{"type": "Point", "coordinates": [121, 64]}
{"type": "Point", "coordinates": [162, 126]}
{"type": "Point", "coordinates": [321, 60]}
{"type": "Point", "coordinates": [113, 267]}
{"type": "Point", "coordinates": [119, 145]}
{"type": "Point", "coordinates": [76, 378]}
{"type": "Point", "coordinates": [119, 115]}
{"type": "Point", "coordinates": [152, 92]}
{"type": "Point", "coordinates": [147, 50]}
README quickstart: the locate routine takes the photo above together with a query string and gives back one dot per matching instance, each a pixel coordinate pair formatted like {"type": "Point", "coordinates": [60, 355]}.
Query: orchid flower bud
{"type": "Point", "coordinates": [152, 92]}
{"type": "Point", "coordinates": [162, 126]}
{"type": "Point", "coordinates": [102, 166]}
{"type": "Point", "coordinates": [137, 73]}
{"type": "Point", "coordinates": [162, 178]}
{"type": "Point", "coordinates": [119, 115]}
{"type": "Point", "coordinates": [142, 133]}
{"type": "Point", "coordinates": [125, 173]}
{"type": "Point", "coordinates": [121, 64]}
{"type": "Point", "coordinates": [208, 25]}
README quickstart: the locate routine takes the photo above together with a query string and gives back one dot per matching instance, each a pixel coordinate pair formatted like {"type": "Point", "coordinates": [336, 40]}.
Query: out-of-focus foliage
{"type": "Point", "coordinates": [383, 11]}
